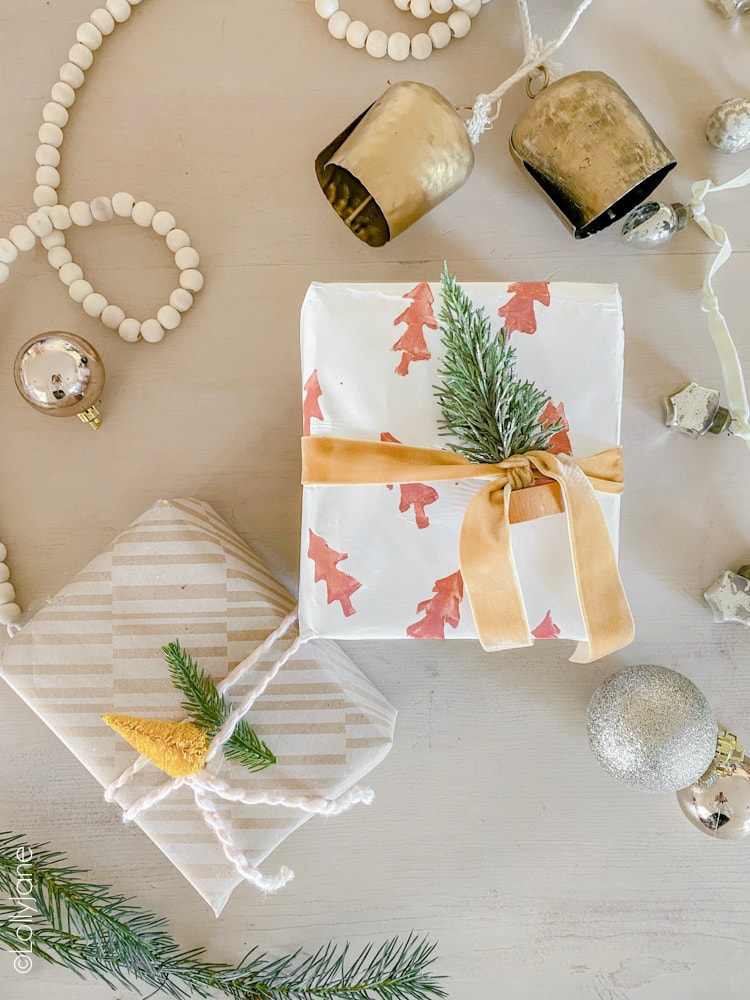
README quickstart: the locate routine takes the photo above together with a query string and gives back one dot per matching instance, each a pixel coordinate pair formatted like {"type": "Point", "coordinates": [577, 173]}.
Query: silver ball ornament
{"type": "Point", "coordinates": [652, 729]}
{"type": "Point", "coordinates": [722, 810]}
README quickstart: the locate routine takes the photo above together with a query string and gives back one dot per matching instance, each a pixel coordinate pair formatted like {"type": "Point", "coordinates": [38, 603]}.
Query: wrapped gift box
{"type": "Point", "coordinates": [381, 561]}
{"type": "Point", "coordinates": [180, 572]}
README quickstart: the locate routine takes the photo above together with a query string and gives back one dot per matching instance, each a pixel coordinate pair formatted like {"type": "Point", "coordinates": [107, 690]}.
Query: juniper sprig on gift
{"type": "Point", "coordinates": [209, 710]}
{"type": "Point", "coordinates": [93, 930]}
{"type": "Point", "coordinates": [489, 412]}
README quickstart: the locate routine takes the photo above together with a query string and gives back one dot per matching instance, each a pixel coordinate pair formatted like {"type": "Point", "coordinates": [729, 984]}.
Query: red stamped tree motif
{"type": "Point", "coordinates": [340, 586]}
{"type": "Point", "coordinates": [518, 311]}
{"type": "Point", "coordinates": [546, 629]}
{"type": "Point", "coordinates": [416, 316]}
{"type": "Point", "coordinates": [440, 610]}
{"type": "Point", "coordinates": [559, 444]}
{"type": "Point", "coordinates": [310, 404]}
{"type": "Point", "coordinates": [416, 495]}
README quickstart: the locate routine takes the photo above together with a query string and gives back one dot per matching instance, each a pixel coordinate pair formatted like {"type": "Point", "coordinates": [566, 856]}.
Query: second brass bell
{"type": "Point", "coordinates": [590, 149]}
{"type": "Point", "coordinates": [400, 158]}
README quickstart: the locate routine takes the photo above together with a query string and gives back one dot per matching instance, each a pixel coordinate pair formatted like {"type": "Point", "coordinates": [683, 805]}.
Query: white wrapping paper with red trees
{"type": "Point", "coordinates": [382, 560]}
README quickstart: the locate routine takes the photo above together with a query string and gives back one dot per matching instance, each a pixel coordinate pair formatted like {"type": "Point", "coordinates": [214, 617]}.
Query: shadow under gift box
{"type": "Point", "coordinates": [180, 572]}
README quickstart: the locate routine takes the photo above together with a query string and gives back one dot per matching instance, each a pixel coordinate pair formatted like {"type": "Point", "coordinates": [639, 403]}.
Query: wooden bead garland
{"type": "Point", "coordinates": [50, 220]}
{"type": "Point", "coordinates": [399, 45]}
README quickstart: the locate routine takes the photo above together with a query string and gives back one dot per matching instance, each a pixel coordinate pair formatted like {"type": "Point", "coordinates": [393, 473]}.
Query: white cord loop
{"type": "Point", "coordinates": [486, 108]}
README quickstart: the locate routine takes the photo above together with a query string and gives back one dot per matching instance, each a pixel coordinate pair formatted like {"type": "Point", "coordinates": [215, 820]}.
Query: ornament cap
{"type": "Point", "coordinates": [721, 421]}
{"type": "Point", "coordinates": [92, 417]}
{"type": "Point", "coordinates": [590, 149]}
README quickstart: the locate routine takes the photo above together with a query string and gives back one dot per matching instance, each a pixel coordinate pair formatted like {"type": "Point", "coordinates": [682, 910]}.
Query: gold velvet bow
{"type": "Point", "coordinates": [485, 553]}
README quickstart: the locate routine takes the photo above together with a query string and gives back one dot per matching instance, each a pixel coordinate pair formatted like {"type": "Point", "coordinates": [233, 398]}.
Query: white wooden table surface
{"type": "Point", "coordinates": [493, 828]}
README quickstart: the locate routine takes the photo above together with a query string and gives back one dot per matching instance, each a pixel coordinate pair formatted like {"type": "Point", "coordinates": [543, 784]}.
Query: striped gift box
{"type": "Point", "coordinates": [180, 572]}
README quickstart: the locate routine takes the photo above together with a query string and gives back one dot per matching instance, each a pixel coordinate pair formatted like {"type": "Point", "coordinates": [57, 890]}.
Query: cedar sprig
{"type": "Point", "coordinates": [489, 412]}
{"type": "Point", "coordinates": [209, 710]}
{"type": "Point", "coordinates": [93, 930]}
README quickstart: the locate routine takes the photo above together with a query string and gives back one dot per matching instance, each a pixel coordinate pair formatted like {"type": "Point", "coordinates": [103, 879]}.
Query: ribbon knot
{"type": "Point", "coordinates": [518, 473]}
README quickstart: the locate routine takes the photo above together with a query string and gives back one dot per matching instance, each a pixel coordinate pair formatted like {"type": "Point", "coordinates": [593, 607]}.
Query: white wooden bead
{"type": "Point", "coordinates": [44, 195]}
{"type": "Point", "coordinates": [60, 215]}
{"type": "Point", "coordinates": [377, 44]}
{"type": "Point", "coordinates": [152, 331]}
{"type": "Point", "coordinates": [177, 239]}
{"type": "Point", "coordinates": [103, 20]}
{"type": "Point", "coordinates": [129, 330]}
{"type": "Point", "coordinates": [47, 156]}
{"type": "Point", "coordinates": [191, 279]}
{"type": "Point", "coordinates": [123, 203]}
{"type": "Point", "coordinates": [4, 273]}
{"type": "Point", "coordinates": [72, 74]}
{"type": "Point", "coordinates": [143, 213]}
{"type": "Point", "coordinates": [59, 256]}
{"type": "Point", "coordinates": [460, 23]}
{"type": "Point", "coordinates": [79, 290]}
{"type": "Point", "coordinates": [441, 6]}
{"type": "Point", "coordinates": [421, 46]}
{"type": "Point", "coordinates": [163, 223]}
{"type": "Point", "coordinates": [94, 304]}
{"type": "Point", "coordinates": [169, 317]}
{"type": "Point", "coordinates": [119, 9]}
{"type": "Point", "coordinates": [4, 572]}
{"type": "Point", "coordinates": [55, 239]}
{"type": "Point", "coordinates": [8, 251]}
{"type": "Point", "coordinates": [471, 7]}
{"type": "Point", "coordinates": [112, 316]}
{"type": "Point", "coordinates": [49, 176]}
{"type": "Point", "coordinates": [89, 35]}
{"type": "Point", "coordinates": [9, 614]}
{"type": "Point", "coordinates": [80, 56]}
{"type": "Point", "coordinates": [181, 299]}
{"type": "Point", "coordinates": [7, 592]}
{"type": "Point", "coordinates": [63, 93]}
{"type": "Point", "coordinates": [80, 213]}
{"type": "Point", "coordinates": [404, 4]}
{"type": "Point", "coordinates": [399, 45]}
{"type": "Point", "coordinates": [338, 24]}
{"type": "Point", "coordinates": [326, 7]}
{"type": "Point", "coordinates": [70, 272]}
{"type": "Point", "coordinates": [40, 224]}
{"type": "Point", "coordinates": [23, 237]}
{"type": "Point", "coordinates": [356, 34]}
{"type": "Point", "coordinates": [50, 135]}
{"type": "Point", "coordinates": [55, 113]}
{"type": "Point", "coordinates": [101, 209]}
{"type": "Point", "coordinates": [187, 257]}
{"type": "Point", "coordinates": [420, 8]}
{"type": "Point", "coordinates": [3, 552]}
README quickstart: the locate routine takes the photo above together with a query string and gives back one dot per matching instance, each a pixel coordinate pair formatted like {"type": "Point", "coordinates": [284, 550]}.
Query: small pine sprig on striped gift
{"type": "Point", "coordinates": [209, 710]}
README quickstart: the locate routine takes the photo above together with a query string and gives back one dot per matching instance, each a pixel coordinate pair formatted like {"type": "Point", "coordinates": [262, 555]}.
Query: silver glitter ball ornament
{"type": "Point", "coordinates": [652, 729]}
{"type": "Point", "coordinates": [723, 809]}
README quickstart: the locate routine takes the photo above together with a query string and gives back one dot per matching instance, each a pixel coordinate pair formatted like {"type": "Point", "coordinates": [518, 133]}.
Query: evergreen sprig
{"type": "Point", "coordinates": [209, 710]}
{"type": "Point", "coordinates": [486, 408]}
{"type": "Point", "coordinates": [91, 929]}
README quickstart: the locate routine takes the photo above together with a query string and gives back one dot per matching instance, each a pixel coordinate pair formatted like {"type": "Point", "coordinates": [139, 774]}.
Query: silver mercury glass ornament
{"type": "Point", "coordinates": [695, 410]}
{"type": "Point", "coordinates": [728, 127]}
{"type": "Point", "coordinates": [728, 597]}
{"type": "Point", "coordinates": [654, 223]}
{"type": "Point", "coordinates": [62, 375]}
{"type": "Point", "coordinates": [730, 7]}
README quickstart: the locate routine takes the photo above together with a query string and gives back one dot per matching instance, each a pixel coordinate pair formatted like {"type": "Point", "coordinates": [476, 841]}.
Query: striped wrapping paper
{"type": "Point", "coordinates": [180, 572]}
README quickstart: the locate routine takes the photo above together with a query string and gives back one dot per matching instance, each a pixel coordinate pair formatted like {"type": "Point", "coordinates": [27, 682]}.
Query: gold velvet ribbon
{"type": "Point", "coordinates": [485, 553]}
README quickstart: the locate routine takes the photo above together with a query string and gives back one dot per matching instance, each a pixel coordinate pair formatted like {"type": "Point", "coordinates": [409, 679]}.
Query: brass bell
{"type": "Point", "coordinates": [590, 150]}
{"type": "Point", "coordinates": [62, 375]}
{"type": "Point", "coordinates": [400, 158]}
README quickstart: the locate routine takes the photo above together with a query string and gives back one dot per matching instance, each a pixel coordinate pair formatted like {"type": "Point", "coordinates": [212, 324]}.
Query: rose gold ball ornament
{"type": "Point", "coordinates": [719, 804]}
{"type": "Point", "coordinates": [62, 375]}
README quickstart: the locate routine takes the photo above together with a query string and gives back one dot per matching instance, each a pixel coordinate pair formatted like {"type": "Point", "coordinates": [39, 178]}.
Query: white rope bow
{"type": "Point", "coordinates": [731, 367]}
{"type": "Point", "coordinates": [207, 787]}
{"type": "Point", "coordinates": [486, 107]}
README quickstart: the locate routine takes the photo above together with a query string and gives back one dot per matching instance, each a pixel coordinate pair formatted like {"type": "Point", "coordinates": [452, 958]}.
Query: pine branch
{"type": "Point", "coordinates": [490, 412]}
{"type": "Point", "coordinates": [209, 710]}
{"type": "Point", "coordinates": [91, 929]}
